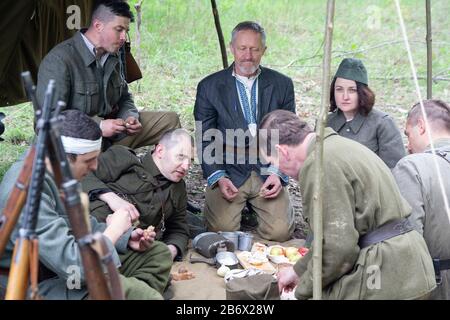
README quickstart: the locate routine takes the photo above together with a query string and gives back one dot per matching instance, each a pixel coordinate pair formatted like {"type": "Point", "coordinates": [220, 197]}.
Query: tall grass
{"type": "Point", "coordinates": [179, 47]}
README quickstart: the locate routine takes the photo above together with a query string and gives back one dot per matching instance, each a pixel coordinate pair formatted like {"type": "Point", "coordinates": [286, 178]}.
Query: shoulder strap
{"type": "Point", "coordinates": [441, 154]}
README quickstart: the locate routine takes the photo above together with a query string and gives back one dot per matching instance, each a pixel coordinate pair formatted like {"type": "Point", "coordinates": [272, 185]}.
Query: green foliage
{"type": "Point", "coordinates": [179, 47]}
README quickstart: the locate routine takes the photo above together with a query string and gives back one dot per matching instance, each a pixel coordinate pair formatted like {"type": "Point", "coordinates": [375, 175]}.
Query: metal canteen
{"type": "Point", "coordinates": [209, 243]}
{"type": "Point", "coordinates": [222, 258]}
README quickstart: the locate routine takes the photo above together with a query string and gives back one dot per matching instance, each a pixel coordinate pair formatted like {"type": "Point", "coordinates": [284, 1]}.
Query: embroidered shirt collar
{"type": "Point", "coordinates": [244, 79]}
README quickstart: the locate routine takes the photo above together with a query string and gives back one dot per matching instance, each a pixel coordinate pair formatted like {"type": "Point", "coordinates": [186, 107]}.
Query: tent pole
{"type": "Point", "coordinates": [429, 52]}
{"type": "Point", "coordinates": [318, 177]}
{"type": "Point", "coordinates": [219, 34]}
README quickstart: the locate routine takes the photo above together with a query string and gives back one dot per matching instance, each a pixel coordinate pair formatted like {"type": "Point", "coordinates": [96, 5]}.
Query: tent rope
{"type": "Point", "coordinates": [422, 108]}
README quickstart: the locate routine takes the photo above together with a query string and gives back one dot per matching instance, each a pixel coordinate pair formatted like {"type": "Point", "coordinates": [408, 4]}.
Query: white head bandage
{"type": "Point", "coordinates": [80, 146]}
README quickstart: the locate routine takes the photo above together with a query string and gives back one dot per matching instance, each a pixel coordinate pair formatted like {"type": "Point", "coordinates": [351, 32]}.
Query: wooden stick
{"type": "Point", "coordinates": [429, 52]}
{"type": "Point", "coordinates": [318, 174]}
{"type": "Point", "coordinates": [138, 8]}
{"type": "Point", "coordinates": [219, 34]}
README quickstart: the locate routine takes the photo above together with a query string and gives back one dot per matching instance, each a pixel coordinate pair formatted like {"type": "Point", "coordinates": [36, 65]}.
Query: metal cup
{"type": "Point", "coordinates": [245, 242]}
{"type": "Point", "coordinates": [232, 236]}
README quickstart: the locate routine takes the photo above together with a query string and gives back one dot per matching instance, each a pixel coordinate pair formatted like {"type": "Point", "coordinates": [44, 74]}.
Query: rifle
{"type": "Point", "coordinates": [91, 246]}
{"type": "Point", "coordinates": [16, 201]}
{"type": "Point", "coordinates": [25, 255]}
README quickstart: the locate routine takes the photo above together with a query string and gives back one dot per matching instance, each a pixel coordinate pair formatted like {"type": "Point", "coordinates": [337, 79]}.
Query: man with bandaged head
{"type": "Point", "coordinates": [59, 255]}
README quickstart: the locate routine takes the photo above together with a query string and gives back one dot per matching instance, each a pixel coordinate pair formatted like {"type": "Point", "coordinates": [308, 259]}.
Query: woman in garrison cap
{"type": "Point", "coordinates": [353, 116]}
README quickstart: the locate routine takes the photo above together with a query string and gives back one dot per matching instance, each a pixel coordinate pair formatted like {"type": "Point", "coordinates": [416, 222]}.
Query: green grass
{"type": "Point", "coordinates": [179, 47]}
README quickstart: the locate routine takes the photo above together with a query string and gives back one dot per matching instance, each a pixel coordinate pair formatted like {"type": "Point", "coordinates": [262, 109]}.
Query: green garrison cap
{"type": "Point", "coordinates": [352, 69]}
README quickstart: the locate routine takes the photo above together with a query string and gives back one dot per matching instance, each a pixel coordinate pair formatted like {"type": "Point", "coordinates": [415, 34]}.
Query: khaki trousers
{"type": "Point", "coordinates": [275, 216]}
{"type": "Point", "coordinates": [154, 124]}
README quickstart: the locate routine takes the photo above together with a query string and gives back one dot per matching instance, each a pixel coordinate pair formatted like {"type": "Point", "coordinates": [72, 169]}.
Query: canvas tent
{"type": "Point", "coordinates": [29, 29]}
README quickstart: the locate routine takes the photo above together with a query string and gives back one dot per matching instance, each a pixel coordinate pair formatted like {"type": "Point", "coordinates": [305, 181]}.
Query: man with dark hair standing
{"type": "Point", "coordinates": [144, 266]}
{"type": "Point", "coordinates": [90, 77]}
{"type": "Point", "coordinates": [419, 183]}
{"type": "Point", "coordinates": [235, 100]}
{"type": "Point", "coordinates": [369, 250]}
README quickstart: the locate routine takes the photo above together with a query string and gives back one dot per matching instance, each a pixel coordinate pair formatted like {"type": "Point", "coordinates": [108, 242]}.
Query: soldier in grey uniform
{"type": "Point", "coordinates": [353, 116]}
{"type": "Point", "coordinates": [418, 180]}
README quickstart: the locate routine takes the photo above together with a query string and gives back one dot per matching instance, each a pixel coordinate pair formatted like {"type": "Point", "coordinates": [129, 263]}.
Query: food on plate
{"type": "Point", "coordinates": [276, 251]}
{"type": "Point", "coordinates": [294, 257]}
{"type": "Point", "coordinates": [290, 251]}
{"type": "Point", "coordinates": [303, 251]}
{"type": "Point", "coordinates": [259, 247]}
{"type": "Point", "coordinates": [257, 258]}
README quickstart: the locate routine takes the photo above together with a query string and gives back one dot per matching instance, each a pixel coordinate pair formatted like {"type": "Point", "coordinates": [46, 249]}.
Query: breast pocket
{"type": "Point", "coordinates": [115, 89]}
{"type": "Point", "coordinates": [86, 97]}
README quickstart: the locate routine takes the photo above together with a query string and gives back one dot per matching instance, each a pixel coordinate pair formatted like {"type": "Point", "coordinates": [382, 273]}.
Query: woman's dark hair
{"type": "Point", "coordinates": [366, 98]}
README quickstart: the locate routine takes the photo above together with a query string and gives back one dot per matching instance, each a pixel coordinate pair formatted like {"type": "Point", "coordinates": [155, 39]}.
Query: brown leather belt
{"type": "Point", "coordinates": [384, 232]}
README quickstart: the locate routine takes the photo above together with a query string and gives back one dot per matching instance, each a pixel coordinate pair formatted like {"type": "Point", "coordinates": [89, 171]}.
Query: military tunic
{"type": "Point", "coordinates": [418, 182]}
{"type": "Point", "coordinates": [59, 252]}
{"type": "Point", "coordinates": [360, 194]}
{"type": "Point", "coordinates": [121, 171]}
{"type": "Point", "coordinates": [100, 92]}
{"type": "Point", "coordinates": [377, 131]}
{"type": "Point", "coordinates": [81, 85]}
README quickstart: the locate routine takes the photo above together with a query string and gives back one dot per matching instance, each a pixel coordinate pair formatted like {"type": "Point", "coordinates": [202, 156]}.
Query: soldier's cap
{"type": "Point", "coordinates": [352, 69]}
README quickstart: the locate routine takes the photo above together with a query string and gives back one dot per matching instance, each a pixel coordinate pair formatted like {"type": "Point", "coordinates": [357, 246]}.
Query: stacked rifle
{"type": "Point", "coordinates": [27, 191]}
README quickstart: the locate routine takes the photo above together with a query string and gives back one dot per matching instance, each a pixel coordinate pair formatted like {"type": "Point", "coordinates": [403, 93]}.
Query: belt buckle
{"type": "Point", "coordinates": [437, 271]}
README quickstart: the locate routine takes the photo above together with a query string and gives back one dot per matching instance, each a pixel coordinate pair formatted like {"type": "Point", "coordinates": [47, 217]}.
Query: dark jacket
{"type": "Point", "coordinates": [121, 171]}
{"type": "Point", "coordinates": [217, 106]}
{"type": "Point", "coordinates": [377, 131]}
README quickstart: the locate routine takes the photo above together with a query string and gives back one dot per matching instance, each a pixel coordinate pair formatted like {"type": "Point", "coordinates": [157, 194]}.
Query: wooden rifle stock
{"type": "Point", "coordinates": [20, 266]}
{"type": "Point", "coordinates": [16, 201]}
{"type": "Point", "coordinates": [79, 219]}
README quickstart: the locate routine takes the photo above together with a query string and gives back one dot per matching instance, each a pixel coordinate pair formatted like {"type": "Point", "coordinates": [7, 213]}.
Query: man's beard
{"type": "Point", "coordinates": [248, 70]}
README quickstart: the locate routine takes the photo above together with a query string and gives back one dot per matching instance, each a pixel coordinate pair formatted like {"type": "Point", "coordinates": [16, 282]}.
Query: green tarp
{"type": "Point", "coordinates": [28, 30]}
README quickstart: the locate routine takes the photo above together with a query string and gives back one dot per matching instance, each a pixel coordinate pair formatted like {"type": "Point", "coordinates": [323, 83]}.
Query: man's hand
{"type": "Point", "coordinates": [287, 279]}
{"type": "Point", "coordinates": [229, 191]}
{"type": "Point", "coordinates": [140, 240]}
{"type": "Point", "coordinates": [133, 126]}
{"type": "Point", "coordinates": [111, 127]}
{"type": "Point", "coordinates": [173, 250]}
{"type": "Point", "coordinates": [117, 224]}
{"type": "Point", "coordinates": [115, 203]}
{"type": "Point", "coordinates": [271, 188]}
